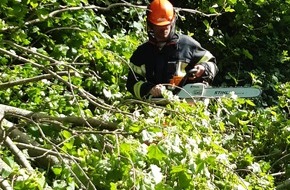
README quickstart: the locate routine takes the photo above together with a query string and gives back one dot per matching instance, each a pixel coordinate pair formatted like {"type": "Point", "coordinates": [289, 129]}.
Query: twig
{"type": "Point", "coordinates": [281, 158]}
{"type": "Point", "coordinates": [57, 149]}
{"type": "Point", "coordinates": [66, 28]}
{"type": "Point", "coordinates": [34, 52]}
{"type": "Point", "coordinates": [103, 132]}
{"type": "Point", "coordinates": [75, 99]}
{"type": "Point", "coordinates": [14, 149]}
{"type": "Point", "coordinates": [278, 174]}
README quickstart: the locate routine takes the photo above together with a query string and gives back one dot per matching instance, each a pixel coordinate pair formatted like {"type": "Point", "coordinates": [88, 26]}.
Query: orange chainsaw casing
{"type": "Point", "coordinates": [175, 80]}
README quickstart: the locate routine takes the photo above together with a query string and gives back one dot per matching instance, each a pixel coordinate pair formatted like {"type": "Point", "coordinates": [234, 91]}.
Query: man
{"type": "Point", "coordinates": [166, 55]}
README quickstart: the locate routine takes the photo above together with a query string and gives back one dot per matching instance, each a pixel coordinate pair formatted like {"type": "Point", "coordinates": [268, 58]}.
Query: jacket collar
{"type": "Point", "coordinates": [173, 40]}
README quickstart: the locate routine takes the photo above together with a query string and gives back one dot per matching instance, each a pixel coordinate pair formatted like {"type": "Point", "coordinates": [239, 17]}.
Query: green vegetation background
{"type": "Point", "coordinates": [68, 60]}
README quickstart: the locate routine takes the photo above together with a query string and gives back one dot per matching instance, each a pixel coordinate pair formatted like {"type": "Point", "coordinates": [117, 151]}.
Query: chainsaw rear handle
{"type": "Point", "coordinates": [185, 78]}
{"type": "Point", "coordinates": [192, 71]}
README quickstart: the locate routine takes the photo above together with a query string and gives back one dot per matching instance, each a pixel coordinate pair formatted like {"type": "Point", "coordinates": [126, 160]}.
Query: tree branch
{"type": "Point", "coordinates": [32, 79]}
{"type": "Point", "coordinates": [43, 151]}
{"type": "Point", "coordinates": [19, 136]}
{"type": "Point", "coordinates": [69, 119]}
{"type": "Point", "coordinates": [42, 155]}
{"type": "Point", "coordinates": [18, 153]}
{"type": "Point", "coordinates": [179, 9]}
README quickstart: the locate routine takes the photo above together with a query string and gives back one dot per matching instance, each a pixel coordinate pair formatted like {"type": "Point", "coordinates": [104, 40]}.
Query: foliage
{"type": "Point", "coordinates": [70, 59]}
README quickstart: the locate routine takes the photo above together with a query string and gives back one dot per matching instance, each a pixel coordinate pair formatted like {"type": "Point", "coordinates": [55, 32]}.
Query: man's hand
{"type": "Point", "coordinates": [200, 70]}
{"type": "Point", "coordinates": [156, 90]}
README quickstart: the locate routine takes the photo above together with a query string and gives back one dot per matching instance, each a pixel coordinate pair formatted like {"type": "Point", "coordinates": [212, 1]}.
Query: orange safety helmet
{"type": "Point", "coordinates": [161, 12]}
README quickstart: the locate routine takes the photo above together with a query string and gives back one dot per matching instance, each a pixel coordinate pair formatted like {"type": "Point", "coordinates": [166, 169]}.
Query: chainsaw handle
{"type": "Point", "coordinates": [192, 71]}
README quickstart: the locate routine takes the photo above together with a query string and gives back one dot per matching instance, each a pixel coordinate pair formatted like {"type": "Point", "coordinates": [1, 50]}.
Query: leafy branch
{"type": "Point", "coordinates": [81, 92]}
{"type": "Point", "coordinates": [25, 143]}
{"type": "Point", "coordinates": [98, 8]}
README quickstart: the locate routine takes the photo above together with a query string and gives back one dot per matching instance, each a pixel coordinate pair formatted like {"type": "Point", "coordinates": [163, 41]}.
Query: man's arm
{"type": "Point", "coordinates": [208, 63]}
{"type": "Point", "coordinates": [136, 81]}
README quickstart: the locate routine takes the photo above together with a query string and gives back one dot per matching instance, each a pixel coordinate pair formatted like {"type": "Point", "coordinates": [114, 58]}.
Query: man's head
{"type": "Point", "coordinates": [161, 20]}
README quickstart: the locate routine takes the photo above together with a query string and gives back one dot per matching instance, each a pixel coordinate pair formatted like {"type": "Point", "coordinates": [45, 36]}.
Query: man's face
{"type": "Point", "coordinates": [161, 33]}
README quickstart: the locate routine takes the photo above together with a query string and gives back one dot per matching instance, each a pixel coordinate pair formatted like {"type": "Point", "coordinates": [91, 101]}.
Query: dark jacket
{"type": "Point", "coordinates": [151, 65]}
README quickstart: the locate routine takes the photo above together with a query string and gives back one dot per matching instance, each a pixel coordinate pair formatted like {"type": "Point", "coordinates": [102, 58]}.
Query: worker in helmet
{"type": "Point", "coordinates": [166, 55]}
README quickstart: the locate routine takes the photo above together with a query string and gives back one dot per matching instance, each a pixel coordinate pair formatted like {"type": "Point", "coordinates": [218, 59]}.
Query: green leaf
{"type": "Point", "coordinates": [5, 173]}
{"type": "Point", "coordinates": [33, 4]}
{"type": "Point", "coordinates": [260, 2]}
{"type": "Point", "coordinates": [177, 169]}
{"type": "Point", "coordinates": [69, 144]}
{"type": "Point", "coordinates": [250, 102]}
{"type": "Point", "coordinates": [242, 122]}
{"type": "Point", "coordinates": [125, 148]}
{"type": "Point", "coordinates": [10, 161]}
{"type": "Point", "coordinates": [66, 134]}
{"type": "Point", "coordinates": [229, 9]}
{"type": "Point", "coordinates": [113, 186]}
{"type": "Point", "coordinates": [232, 2]}
{"type": "Point", "coordinates": [200, 167]}
{"type": "Point", "coordinates": [184, 180]}
{"type": "Point", "coordinates": [57, 170]}
{"type": "Point", "coordinates": [154, 152]}
{"type": "Point", "coordinates": [247, 54]}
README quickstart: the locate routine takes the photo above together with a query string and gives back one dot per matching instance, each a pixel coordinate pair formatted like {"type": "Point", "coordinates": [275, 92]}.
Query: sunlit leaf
{"type": "Point", "coordinates": [154, 152]}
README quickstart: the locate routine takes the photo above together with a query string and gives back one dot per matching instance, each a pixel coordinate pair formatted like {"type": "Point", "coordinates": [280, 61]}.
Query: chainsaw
{"type": "Point", "coordinates": [184, 90]}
